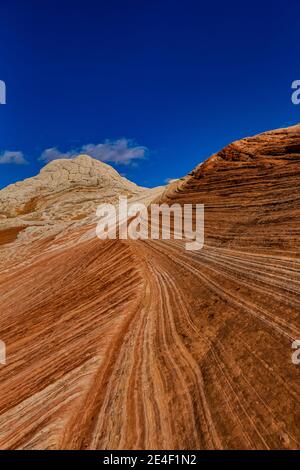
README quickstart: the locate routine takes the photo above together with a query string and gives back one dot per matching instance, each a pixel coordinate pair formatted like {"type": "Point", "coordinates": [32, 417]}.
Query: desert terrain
{"type": "Point", "coordinates": [140, 344]}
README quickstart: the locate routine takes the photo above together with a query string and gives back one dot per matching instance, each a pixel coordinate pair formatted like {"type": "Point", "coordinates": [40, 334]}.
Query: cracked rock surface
{"type": "Point", "coordinates": [59, 182]}
{"type": "Point", "coordinates": [65, 193]}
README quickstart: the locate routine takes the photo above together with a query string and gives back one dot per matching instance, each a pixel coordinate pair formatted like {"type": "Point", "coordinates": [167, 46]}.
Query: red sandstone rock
{"type": "Point", "coordinates": [141, 344]}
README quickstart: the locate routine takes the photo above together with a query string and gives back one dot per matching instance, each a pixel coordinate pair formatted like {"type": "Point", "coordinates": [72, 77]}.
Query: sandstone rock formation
{"type": "Point", "coordinates": [64, 192]}
{"type": "Point", "coordinates": [126, 344]}
{"type": "Point", "coordinates": [65, 183]}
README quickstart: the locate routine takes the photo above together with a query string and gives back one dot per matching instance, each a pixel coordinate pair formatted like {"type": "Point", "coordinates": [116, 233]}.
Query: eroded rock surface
{"type": "Point", "coordinates": [61, 186]}
{"type": "Point", "coordinates": [126, 344]}
{"type": "Point", "coordinates": [63, 193]}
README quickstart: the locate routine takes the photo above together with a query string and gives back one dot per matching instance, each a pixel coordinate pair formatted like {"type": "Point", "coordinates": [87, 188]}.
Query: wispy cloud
{"type": "Point", "coordinates": [121, 151]}
{"type": "Point", "coordinates": [9, 157]}
{"type": "Point", "coordinates": [54, 154]}
{"type": "Point", "coordinates": [170, 180]}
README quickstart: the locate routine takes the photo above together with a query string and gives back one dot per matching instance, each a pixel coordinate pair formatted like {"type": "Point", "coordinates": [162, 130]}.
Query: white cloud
{"type": "Point", "coordinates": [121, 151]}
{"type": "Point", "coordinates": [16, 158]}
{"type": "Point", "coordinates": [170, 180]}
{"type": "Point", "coordinates": [54, 154]}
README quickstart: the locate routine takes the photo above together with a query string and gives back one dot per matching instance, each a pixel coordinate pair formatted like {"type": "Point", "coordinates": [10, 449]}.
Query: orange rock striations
{"type": "Point", "coordinates": [144, 345]}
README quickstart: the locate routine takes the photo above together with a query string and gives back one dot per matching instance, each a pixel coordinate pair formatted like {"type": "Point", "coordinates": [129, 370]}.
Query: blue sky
{"type": "Point", "coordinates": [169, 81]}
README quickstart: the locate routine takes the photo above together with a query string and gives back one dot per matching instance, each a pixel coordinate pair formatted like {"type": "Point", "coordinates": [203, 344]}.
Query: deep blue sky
{"type": "Point", "coordinates": [183, 78]}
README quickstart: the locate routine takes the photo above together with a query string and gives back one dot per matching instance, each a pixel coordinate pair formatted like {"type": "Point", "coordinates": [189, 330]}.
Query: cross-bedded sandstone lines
{"type": "Point", "coordinates": [144, 345]}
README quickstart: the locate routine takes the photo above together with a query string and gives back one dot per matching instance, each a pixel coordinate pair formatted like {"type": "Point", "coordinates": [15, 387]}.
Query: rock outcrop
{"type": "Point", "coordinates": [64, 193]}
{"type": "Point", "coordinates": [131, 344]}
{"type": "Point", "coordinates": [62, 186]}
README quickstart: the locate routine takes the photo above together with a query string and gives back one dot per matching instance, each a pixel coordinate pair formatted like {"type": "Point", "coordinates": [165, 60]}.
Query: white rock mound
{"type": "Point", "coordinates": [65, 188]}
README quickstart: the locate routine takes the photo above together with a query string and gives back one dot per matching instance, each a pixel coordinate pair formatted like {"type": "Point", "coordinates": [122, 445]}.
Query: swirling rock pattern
{"type": "Point", "coordinates": [143, 345]}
